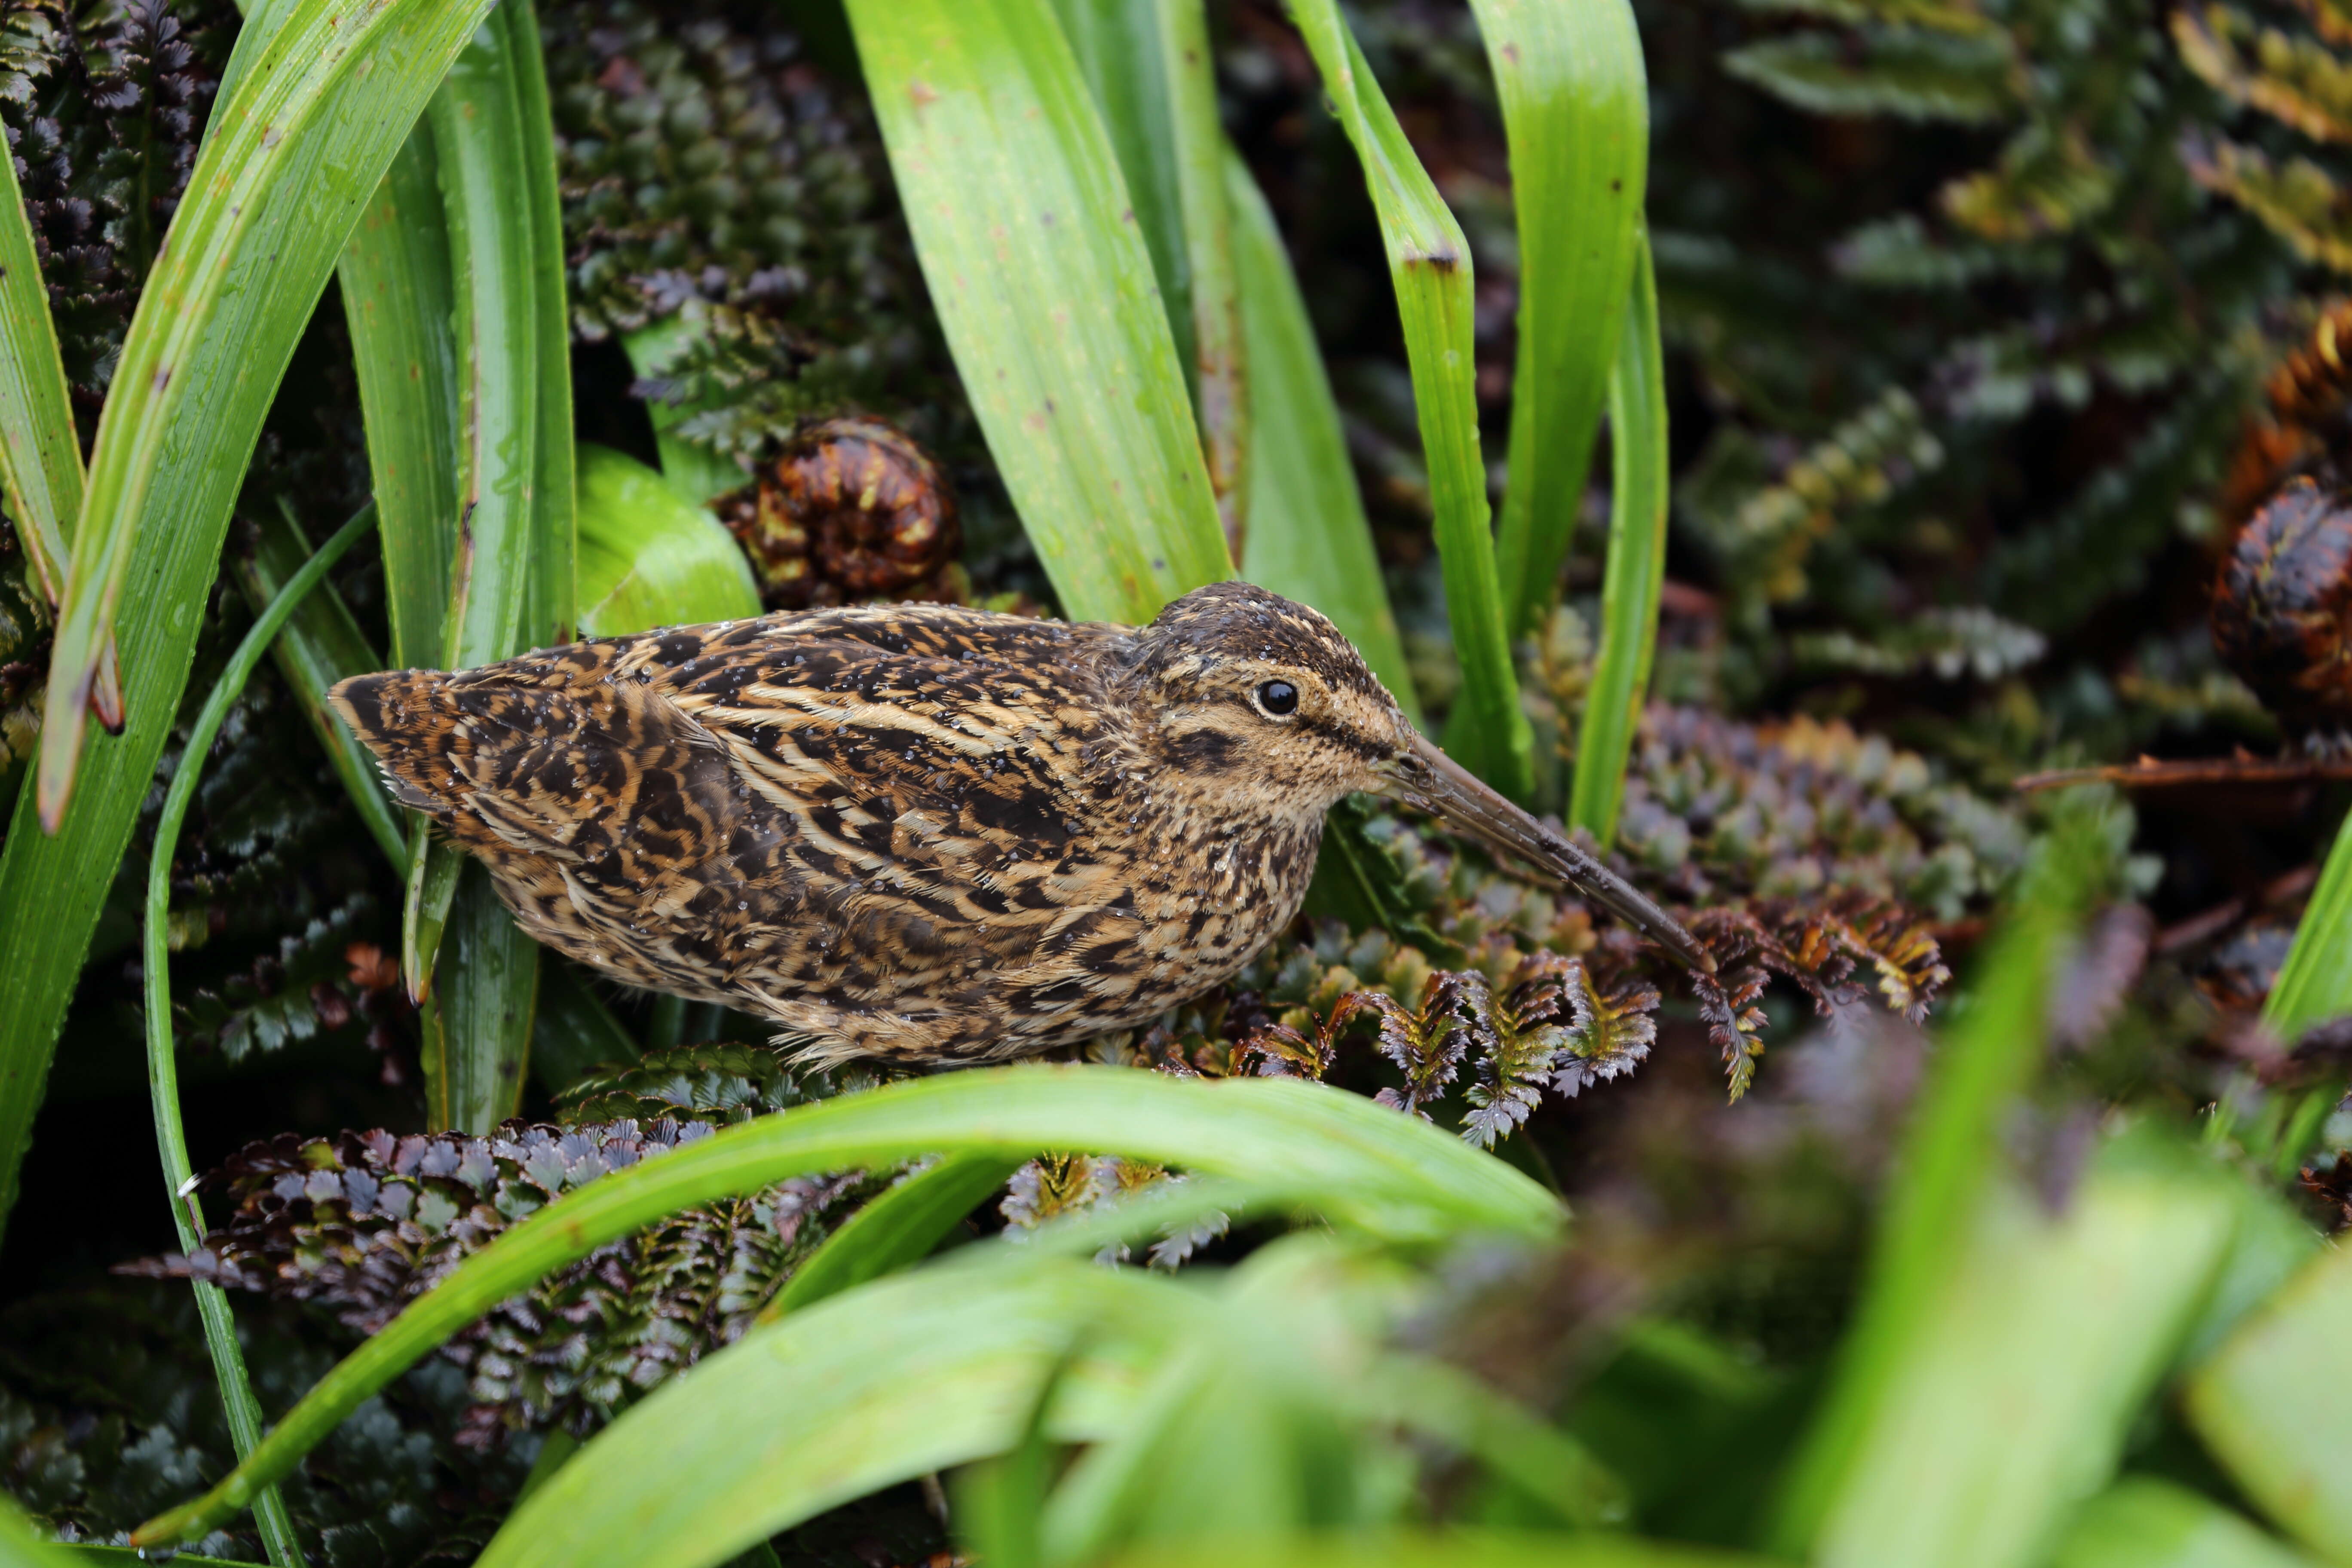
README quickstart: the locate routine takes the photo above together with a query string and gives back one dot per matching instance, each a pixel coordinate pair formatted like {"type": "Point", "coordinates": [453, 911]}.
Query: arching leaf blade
{"type": "Point", "coordinates": [1576, 112]}
{"type": "Point", "coordinates": [1046, 294]}
{"type": "Point", "coordinates": [1429, 262]}
{"type": "Point", "coordinates": [1309, 538]}
{"type": "Point", "coordinates": [396, 301]}
{"type": "Point", "coordinates": [321, 645]}
{"type": "Point", "coordinates": [40, 454]}
{"type": "Point", "coordinates": [894, 1229]}
{"type": "Point", "coordinates": [1635, 573]}
{"type": "Point", "coordinates": [1357, 1161]}
{"type": "Point", "coordinates": [895, 1380]}
{"type": "Point", "coordinates": [224, 309]}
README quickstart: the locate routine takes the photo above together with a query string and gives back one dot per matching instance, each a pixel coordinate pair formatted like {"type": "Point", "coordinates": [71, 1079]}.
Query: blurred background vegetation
{"type": "Point", "coordinates": [1987, 324]}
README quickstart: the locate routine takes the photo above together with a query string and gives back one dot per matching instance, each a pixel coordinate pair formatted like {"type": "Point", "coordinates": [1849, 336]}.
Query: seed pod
{"type": "Point", "coordinates": [851, 509]}
{"type": "Point", "coordinates": [2280, 610]}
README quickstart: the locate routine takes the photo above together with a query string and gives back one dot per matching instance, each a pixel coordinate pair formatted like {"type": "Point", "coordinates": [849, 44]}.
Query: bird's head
{"type": "Point", "coordinates": [1260, 705]}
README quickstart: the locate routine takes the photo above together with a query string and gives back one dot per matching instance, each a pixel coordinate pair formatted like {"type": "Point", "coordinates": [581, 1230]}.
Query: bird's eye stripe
{"type": "Point", "coordinates": [1349, 738]}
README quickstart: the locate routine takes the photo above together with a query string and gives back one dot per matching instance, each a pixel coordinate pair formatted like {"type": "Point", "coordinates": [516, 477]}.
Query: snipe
{"type": "Point", "coordinates": [923, 833]}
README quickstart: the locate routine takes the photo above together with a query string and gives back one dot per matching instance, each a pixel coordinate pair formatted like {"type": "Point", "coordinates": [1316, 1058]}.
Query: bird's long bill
{"type": "Point", "coordinates": [1429, 779]}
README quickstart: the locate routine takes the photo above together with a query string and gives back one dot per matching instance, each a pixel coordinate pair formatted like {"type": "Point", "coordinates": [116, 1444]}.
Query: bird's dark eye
{"type": "Point", "coordinates": [1278, 697]}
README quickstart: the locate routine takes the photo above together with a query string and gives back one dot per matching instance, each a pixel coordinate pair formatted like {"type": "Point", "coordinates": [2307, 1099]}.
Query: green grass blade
{"type": "Point", "coordinates": [81, 1554]}
{"type": "Point", "coordinates": [321, 645]}
{"type": "Point", "coordinates": [1150, 66]}
{"type": "Point", "coordinates": [1449, 1549]}
{"type": "Point", "coordinates": [20, 1548]}
{"type": "Point", "coordinates": [1219, 360]}
{"type": "Point", "coordinates": [514, 518]}
{"type": "Point", "coordinates": [649, 557]}
{"type": "Point", "coordinates": [40, 451]}
{"type": "Point", "coordinates": [897, 1380]}
{"type": "Point", "coordinates": [2271, 1406]}
{"type": "Point", "coordinates": [233, 275]}
{"type": "Point", "coordinates": [477, 135]}
{"type": "Point", "coordinates": [1364, 1166]}
{"type": "Point", "coordinates": [572, 1033]}
{"type": "Point", "coordinates": [40, 454]}
{"type": "Point", "coordinates": [2314, 984]}
{"type": "Point", "coordinates": [1948, 1161]}
{"type": "Point", "coordinates": [551, 610]}
{"type": "Point", "coordinates": [2062, 1322]}
{"type": "Point", "coordinates": [396, 292]}
{"type": "Point", "coordinates": [400, 301]}
{"type": "Point", "coordinates": [898, 1227]}
{"type": "Point", "coordinates": [221, 312]}
{"type": "Point", "coordinates": [1120, 52]}
{"type": "Point", "coordinates": [2140, 1522]}
{"type": "Point", "coordinates": [243, 1411]}
{"type": "Point", "coordinates": [1308, 539]}
{"type": "Point", "coordinates": [1047, 297]}
{"type": "Point", "coordinates": [1429, 261]}
{"type": "Point", "coordinates": [1576, 110]}
{"type": "Point", "coordinates": [434, 866]}
{"type": "Point", "coordinates": [478, 1020]}
{"type": "Point", "coordinates": [1636, 568]}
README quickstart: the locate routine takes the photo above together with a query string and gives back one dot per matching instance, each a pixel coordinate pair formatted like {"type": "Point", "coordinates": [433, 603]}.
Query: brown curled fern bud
{"type": "Point", "coordinates": [851, 509]}
{"type": "Point", "coordinates": [2280, 611]}
{"type": "Point", "coordinates": [2307, 423]}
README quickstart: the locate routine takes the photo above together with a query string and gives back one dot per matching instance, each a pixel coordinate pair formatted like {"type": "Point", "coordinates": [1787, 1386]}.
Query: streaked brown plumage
{"type": "Point", "coordinates": [926, 833]}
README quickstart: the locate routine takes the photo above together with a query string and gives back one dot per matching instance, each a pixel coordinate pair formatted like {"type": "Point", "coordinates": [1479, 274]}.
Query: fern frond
{"type": "Point", "coordinates": [1910, 73]}
{"type": "Point", "coordinates": [2295, 81]}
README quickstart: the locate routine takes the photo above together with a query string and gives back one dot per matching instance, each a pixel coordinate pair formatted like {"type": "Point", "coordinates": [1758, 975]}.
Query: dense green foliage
{"type": "Point", "coordinates": [1767, 522]}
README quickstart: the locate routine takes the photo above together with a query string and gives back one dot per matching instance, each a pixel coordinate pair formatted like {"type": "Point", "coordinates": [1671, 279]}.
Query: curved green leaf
{"type": "Point", "coordinates": [1152, 72]}
{"type": "Point", "coordinates": [1046, 294]}
{"type": "Point", "coordinates": [2314, 984]}
{"type": "Point", "coordinates": [1308, 539]}
{"type": "Point", "coordinates": [1369, 1167]}
{"type": "Point", "coordinates": [550, 607]}
{"type": "Point", "coordinates": [243, 1411]}
{"type": "Point", "coordinates": [513, 522]}
{"type": "Point", "coordinates": [1637, 570]}
{"type": "Point", "coordinates": [2271, 1406]}
{"type": "Point", "coordinates": [896, 1228]}
{"type": "Point", "coordinates": [2141, 1522]}
{"type": "Point", "coordinates": [396, 288]}
{"type": "Point", "coordinates": [1429, 261]}
{"type": "Point", "coordinates": [479, 140]}
{"type": "Point", "coordinates": [40, 451]}
{"type": "Point", "coordinates": [20, 1548]}
{"type": "Point", "coordinates": [2064, 1323]}
{"type": "Point", "coordinates": [1947, 1170]}
{"type": "Point", "coordinates": [649, 557]}
{"type": "Point", "coordinates": [276, 139]}
{"type": "Point", "coordinates": [324, 644]}
{"type": "Point", "coordinates": [946, 1365]}
{"type": "Point", "coordinates": [40, 454]}
{"type": "Point", "coordinates": [893, 1381]}
{"type": "Point", "coordinates": [1576, 110]}
{"type": "Point", "coordinates": [1450, 1549]}
{"type": "Point", "coordinates": [294, 146]}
